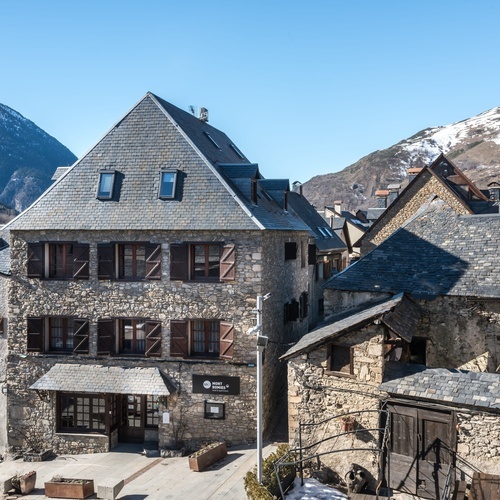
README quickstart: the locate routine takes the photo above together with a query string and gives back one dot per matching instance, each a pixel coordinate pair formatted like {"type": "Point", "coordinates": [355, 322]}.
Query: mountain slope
{"type": "Point", "coordinates": [472, 144]}
{"type": "Point", "coordinates": [28, 158]}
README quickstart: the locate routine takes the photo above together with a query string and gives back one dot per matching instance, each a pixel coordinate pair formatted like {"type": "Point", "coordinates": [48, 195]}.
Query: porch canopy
{"type": "Point", "coordinates": [104, 379]}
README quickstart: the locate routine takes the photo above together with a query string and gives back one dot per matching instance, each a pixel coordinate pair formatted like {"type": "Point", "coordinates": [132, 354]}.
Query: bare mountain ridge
{"type": "Point", "coordinates": [472, 144]}
{"type": "Point", "coordinates": [28, 159]}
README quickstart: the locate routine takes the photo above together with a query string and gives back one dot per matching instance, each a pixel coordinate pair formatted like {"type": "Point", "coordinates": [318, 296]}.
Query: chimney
{"type": "Point", "coordinates": [413, 172]}
{"type": "Point", "coordinates": [494, 188]}
{"type": "Point", "coordinates": [337, 206]}
{"type": "Point", "coordinates": [381, 196]}
{"type": "Point", "coordinates": [297, 187]}
{"type": "Point", "coordinates": [203, 115]}
{"type": "Point", "coordinates": [393, 192]}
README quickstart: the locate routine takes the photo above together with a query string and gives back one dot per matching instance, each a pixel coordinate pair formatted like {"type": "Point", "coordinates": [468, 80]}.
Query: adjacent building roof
{"type": "Point", "coordinates": [454, 387]}
{"type": "Point", "coordinates": [212, 190]}
{"type": "Point", "coordinates": [437, 253]}
{"type": "Point", "coordinates": [104, 379]}
{"type": "Point", "coordinates": [399, 313]}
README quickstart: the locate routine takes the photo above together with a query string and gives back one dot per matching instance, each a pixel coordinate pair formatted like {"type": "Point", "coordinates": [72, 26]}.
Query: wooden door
{"type": "Point", "coordinates": [421, 450]}
{"type": "Point", "coordinates": [131, 427]}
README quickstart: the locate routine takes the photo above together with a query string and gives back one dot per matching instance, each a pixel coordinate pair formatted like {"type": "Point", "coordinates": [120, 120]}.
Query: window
{"type": "Point", "coordinates": [290, 250]}
{"type": "Point", "coordinates": [152, 411]}
{"type": "Point", "coordinates": [129, 261]}
{"type": "Point", "coordinates": [291, 311]}
{"type": "Point", "coordinates": [82, 413]}
{"type": "Point", "coordinates": [311, 255]}
{"type": "Point", "coordinates": [341, 359]}
{"type": "Point", "coordinates": [304, 305]}
{"type": "Point", "coordinates": [167, 185]}
{"type": "Point", "coordinates": [321, 307]}
{"type": "Point", "coordinates": [58, 334]}
{"type": "Point", "coordinates": [67, 260]}
{"type": "Point", "coordinates": [202, 262]}
{"type": "Point", "coordinates": [211, 139]}
{"type": "Point", "coordinates": [202, 338]}
{"type": "Point", "coordinates": [106, 184]}
{"type": "Point", "coordinates": [129, 336]}
{"type": "Point", "coordinates": [3, 325]}
{"type": "Point", "coordinates": [214, 410]}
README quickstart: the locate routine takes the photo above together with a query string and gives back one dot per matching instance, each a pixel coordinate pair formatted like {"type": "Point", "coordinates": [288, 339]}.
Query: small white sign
{"type": "Point", "coordinates": [214, 409]}
{"type": "Point", "coordinates": [166, 417]}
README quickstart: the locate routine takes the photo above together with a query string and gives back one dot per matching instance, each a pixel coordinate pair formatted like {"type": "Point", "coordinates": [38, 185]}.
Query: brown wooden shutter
{"type": "Point", "coordinates": [179, 339]}
{"type": "Point", "coordinates": [226, 340]}
{"type": "Point", "coordinates": [35, 260]}
{"type": "Point", "coordinates": [153, 261]}
{"type": "Point", "coordinates": [35, 335]}
{"type": "Point", "coordinates": [228, 263]}
{"type": "Point", "coordinates": [106, 336]}
{"type": "Point", "coordinates": [153, 338]}
{"type": "Point", "coordinates": [81, 261]}
{"type": "Point", "coordinates": [179, 262]}
{"type": "Point", "coordinates": [80, 336]}
{"type": "Point", "coordinates": [105, 261]}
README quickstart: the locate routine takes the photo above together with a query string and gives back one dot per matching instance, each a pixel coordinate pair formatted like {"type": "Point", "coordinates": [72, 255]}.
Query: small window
{"type": "Point", "coordinates": [418, 351]}
{"type": "Point", "coordinates": [341, 359]}
{"type": "Point", "coordinates": [322, 232]}
{"type": "Point", "coordinates": [132, 336]}
{"type": "Point", "coordinates": [167, 185]}
{"type": "Point", "coordinates": [106, 183]}
{"type": "Point", "coordinates": [304, 305]}
{"type": "Point", "coordinates": [214, 410]}
{"type": "Point", "coordinates": [290, 250]}
{"type": "Point", "coordinates": [61, 334]}
{"type": "Point", "coordinates": [152, 411]}
{"type": "Point", "coordinates": [205, 336]}
{"type": "Point", "coordinates": [237, 151]}
{"type": "Point", "coordinates": [61, 260]}
{"type": "Point", "coordinates": [212, 140]}
{"type": "Point", "coordinates": [205, 259]}
{"type": "Point", "coordinates": [321, 307]}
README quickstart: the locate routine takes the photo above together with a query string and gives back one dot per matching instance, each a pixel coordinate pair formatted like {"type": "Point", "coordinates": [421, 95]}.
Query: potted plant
{"type": "Point", "coordinates": [60, 487]}
{"type": "Point", "coordinates": [35, 447]}
{"type": "Point", "coordinates": [348, 423]}
{"type": "Point", "coordinates": [207, 456]}
{"type": "Point", "coordinates": [24, 483]}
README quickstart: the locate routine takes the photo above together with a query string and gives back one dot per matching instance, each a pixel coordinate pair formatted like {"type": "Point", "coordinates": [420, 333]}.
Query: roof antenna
{"type": "Point", "coordinates": [192, 109]}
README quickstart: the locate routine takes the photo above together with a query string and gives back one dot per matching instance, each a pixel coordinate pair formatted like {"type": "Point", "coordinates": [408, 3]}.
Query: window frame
{"type": "Point", "coordinates": [192, 262]}
{"type": "Point", "coordinates": [162, 196]}
{"type": "Point", "coordinates": [135, 341]}
{"type": "Point", "coordinates": [67, 325]}
{"type": "Point", "coordinates": [331, 359]}
{"type": "Point", "coordinates": [210, 327]}
{"type": "Point", "coordinates": [101, 195]}
{"type": "Point", "coordinates": [120, 249]}
{"type": "Point", "coordinates": [67, 258]}
{"type": "Point", "coordinates": [79, 409]}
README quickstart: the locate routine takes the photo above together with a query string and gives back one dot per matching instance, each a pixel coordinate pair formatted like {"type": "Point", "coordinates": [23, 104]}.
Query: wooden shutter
{"type": "Point", "coordinates": [105, 261]}
{"type": "Point", "coordinates": [35, 335]}
{"type": "Point", "coordinates": [226, 340]}
{"type": "Point", "coordinates": [228, 263]}
{"type": "Point", "coordinates": [80, 336]}
{"type": "Point", "coordinates": [153, 338]}
{"type": "Point", "coordinates": [303, 301]}
{"type": "Point", "coordinates": [294, 310]}
{"type": "Point", "coordinates": [179, 262]}
{"type": "Point", "coordinates": [106, 343]}
{"type": "Point", "coordinates": [153, 261]}
{"type": "Point", "coordinates": [81, 261]}
{"type": "Point", "coordinates": [35, 260]}
{"type": "Point", "coordinates": [179, 339]}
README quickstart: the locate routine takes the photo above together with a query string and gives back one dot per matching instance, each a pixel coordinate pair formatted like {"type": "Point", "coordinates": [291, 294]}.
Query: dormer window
{"type": "Point", "coordinates": [167, 184]}
{"type": "Point", "coordinates": [106, 183]}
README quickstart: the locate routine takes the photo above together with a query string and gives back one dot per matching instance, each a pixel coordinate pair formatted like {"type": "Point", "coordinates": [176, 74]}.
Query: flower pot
{"type": "Point", "coordinates": [37, 456]}
{"type": "Point", "coordinates": [207, 456]}
{"type": "Point", "coordinates": [25, 483]}
{"type": "Point", "coordinates": [348, 425]}
{"type": "Point", "coordinates": [69, 488]}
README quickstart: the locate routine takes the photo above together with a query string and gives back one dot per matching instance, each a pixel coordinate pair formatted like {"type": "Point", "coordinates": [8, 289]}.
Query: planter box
{"type": "Point", "coordinates": [81, 488]}
{"type": "Point", "coordinates": [25, 484]}
{"type": "Point", "coordinates": [37, 456]}
{"type": "Point", "coordinates": [207, 456]}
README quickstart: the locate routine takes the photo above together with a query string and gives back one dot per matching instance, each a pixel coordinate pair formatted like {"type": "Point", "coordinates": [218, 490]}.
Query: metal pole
{"type": "Point", "coordinates": [259, 392]}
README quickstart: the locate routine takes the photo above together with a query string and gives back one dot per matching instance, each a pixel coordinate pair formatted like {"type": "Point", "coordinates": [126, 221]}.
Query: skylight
{"type": "Point", "coordinates": [212, 140]}
{"type": "Point", "coordinates": [237, 151]}
{"type": "Point", "coordinates": [322, 232]}
{"type": "Point", "coordinates": [106, 183]}
{"type": "Point", "coordinates": [167, 184]}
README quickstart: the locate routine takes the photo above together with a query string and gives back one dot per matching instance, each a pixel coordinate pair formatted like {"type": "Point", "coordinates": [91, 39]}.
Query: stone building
{"type": "Point", "coordinates": [132, 286]}
{"type": "Point", "coordinates": [414, 329]}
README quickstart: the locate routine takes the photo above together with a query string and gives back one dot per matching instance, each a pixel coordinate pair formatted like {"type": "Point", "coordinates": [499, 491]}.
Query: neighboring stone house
{"type": "Point", "coordinates": [415, 330]}
{"type": "Point", "coordinates": [442, 179]}
{"type": "Point", "coordinates": [133, 284]}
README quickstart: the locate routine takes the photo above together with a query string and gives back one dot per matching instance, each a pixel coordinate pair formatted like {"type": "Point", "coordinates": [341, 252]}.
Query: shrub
{"type": "Point", "coordinates": [269, 489]}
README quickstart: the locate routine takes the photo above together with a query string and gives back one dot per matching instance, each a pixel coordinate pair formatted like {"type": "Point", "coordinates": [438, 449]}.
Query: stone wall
{"type": "Point", "coordinates": [257, 253]}
{"type": "Point", "coordinates": [3, 364]}
{"type": "Point", "coordinates": [406, 205]}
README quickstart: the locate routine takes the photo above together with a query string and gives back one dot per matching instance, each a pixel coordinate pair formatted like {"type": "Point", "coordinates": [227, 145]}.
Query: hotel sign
{"type": "Point", "coordinates": [214, 384]}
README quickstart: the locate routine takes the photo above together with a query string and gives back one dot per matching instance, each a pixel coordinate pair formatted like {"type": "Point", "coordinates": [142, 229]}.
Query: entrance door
{"type": "Point", "coordinates": [131, 427]}
{"type": "Point", "coordinates": [421, 449]}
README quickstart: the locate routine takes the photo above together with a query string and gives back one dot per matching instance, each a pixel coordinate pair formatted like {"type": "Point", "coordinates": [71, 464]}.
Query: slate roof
{"type": "Point", "coordinates": [4, 253]}
{"type": "Point", "coordinates": [437, 253]}
{"type": "Point", "coordinates": [453, 387]}
{"type": "Point", "coordinates": [104, 379]}
{"type": "Point", "coordinates": [373, 214]}
{"type": "Point", "coordinates": [403, 324]}
{"type": "Point", "coordinates": [152, 136]}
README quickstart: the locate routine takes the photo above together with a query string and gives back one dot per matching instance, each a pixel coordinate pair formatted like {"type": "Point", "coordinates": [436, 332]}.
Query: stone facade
{"type": "Point", "coordinates": [3, 363]}
{"type": "Point", "coordinates": [405, 206]}
{"type": "Point", "coordinates": [163, 300]}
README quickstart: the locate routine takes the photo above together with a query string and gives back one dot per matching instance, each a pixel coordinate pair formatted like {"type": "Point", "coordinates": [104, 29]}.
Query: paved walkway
{"type": "Point", "coordinates": [146, 477]}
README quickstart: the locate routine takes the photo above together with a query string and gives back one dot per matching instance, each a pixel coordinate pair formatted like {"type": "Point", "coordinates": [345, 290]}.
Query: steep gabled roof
{"type": "Point", "coordinates": [402, 316]}
{"type": "Point", "coordinates": [152, 136]}
{"type": "Point", "coordinates": [437, 253]}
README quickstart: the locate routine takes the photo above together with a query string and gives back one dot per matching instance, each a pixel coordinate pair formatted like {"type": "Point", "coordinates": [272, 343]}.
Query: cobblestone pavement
{"type": "Point", "coordinates": [146, 477]}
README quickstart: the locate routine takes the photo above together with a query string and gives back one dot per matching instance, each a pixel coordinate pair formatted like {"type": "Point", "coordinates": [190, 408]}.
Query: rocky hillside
{"type": "Point", "coordinates": [472, 144]}
{"type": "Point", "coordinates": [28, 158]}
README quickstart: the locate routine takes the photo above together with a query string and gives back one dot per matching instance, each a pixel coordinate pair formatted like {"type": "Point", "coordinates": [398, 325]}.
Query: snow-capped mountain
{"type": "Point", "coordinates": [472, 144]}
{"type": "Point", "coordinates": [28, 158]}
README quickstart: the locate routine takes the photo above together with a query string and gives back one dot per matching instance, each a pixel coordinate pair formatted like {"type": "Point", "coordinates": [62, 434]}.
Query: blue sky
{"type": "Point", "coordinates": [303, 88]}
